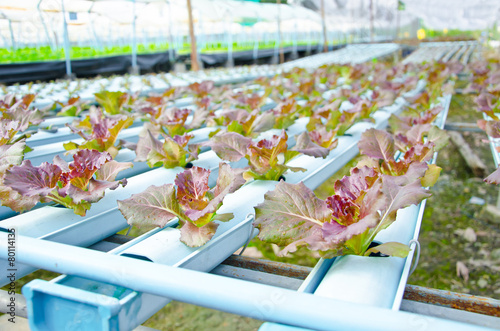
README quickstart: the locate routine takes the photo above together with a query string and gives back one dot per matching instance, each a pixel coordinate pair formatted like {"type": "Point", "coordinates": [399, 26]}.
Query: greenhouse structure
{"type": "Point", "coordinates": [266, 165]}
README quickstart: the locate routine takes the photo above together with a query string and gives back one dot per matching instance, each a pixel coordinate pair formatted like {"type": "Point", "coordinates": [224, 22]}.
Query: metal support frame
{"type": "Point", "coordinates": [207, 290]}
{"type": "Point", "coordinates": [372, 31]}
{"type": "Point", "coordinates": [171, 47]}
{"type": "Point", "coordinates": [94, 33]}
{"type": "Point", "coordinates": [295, 54]}
{"type": "Point", "coordinates": [67, 47]}
{"type": "Point", "coordinates": [12, 39]}
{"type": "Point", "coordinates": [45, 29]}
{"type": "Point", "coordinates": [229, 35]}
{"type": "Point", "coordinates": [135, 68]}
{"type": "Point", "coordinates": [256, 41]}
{"type": "Point", "coordinates": [280, 37]}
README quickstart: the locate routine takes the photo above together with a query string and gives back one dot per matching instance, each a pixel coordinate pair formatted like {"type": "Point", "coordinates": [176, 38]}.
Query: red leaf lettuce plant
{"type": "Point", "coordinates": [99, 131]}
{"type": "Point", "coordinates": [190, 200]}
{"type": "Point", "coordinates": [72, 185]}
{"type": "Point", "coordinates": [345, 223]}
{"type": "Point", "coordinates": [169, 153]}
{"type": "Point", "coordinates": [363, 203]}
{"type": "Point", "coordinates": [268, 158]}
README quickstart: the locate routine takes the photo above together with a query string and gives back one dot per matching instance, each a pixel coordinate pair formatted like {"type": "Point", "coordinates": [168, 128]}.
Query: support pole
{"type": "Point", "coordinates": [280, 42]}
{"type": "Point", "coordinates": [229, 39]}
{"type": "Point", "coordinates": [67, 48]}
{"type": "Point", "coordinates": [295, 53]}
{"type": "Point", "coordinates": [12, 39]}
{"type": "Point", "coordinates": [171, 46]}
{"type": "Point", "coordinates": [256, 41]}
{"type": "Point", "coordinates": [371, 21]}
{"type": "Point", "coordinates": [323, 21]}
{"type": "Point", "coordinates": [42, 19]}
{"type": "Point", "coordinates": [397, 19]}
{"type": "Point", "coordinates": [97, 41]}
{"type": "Point", "coordinates": [194, 54]}
{"type": "Point", "coordinates": [135, 69]}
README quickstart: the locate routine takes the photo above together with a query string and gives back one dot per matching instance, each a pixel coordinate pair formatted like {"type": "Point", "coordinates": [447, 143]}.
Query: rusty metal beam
{"type": "Point", "coordinates": [467, 302]}
{"type": "Point", "coordinates": [461, 91]}
{"type": "Point", "coordinates": [270, 267]}
{"type": "Point", "coordinates": [456, 126]}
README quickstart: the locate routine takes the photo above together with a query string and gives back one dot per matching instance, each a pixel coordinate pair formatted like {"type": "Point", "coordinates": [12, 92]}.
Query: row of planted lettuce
{"type": "Point", "coordinates": [86, 89]}
{"type": "Point", "coordinates": [46, 53]}
{"type": "Point", "coordinates": [275, 133]}
{"type": "Point", "coordinates": [485, 82]}
{"type": "Point", "coordinates": [231, 116]}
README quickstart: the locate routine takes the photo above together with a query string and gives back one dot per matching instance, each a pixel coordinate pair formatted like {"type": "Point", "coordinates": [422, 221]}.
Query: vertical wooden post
{"type": "Point", "coordinates": [194, 51]}
{"type": "Point", "coordinates": [325, 39]}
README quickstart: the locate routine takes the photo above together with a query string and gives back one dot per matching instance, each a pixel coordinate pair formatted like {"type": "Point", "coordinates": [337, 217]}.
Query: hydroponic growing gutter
{"type": "Point", "coordinates": [86, 88]}
{"type": "Point", "coordinates": [443, 51]}
{"type": "Point", "coordinates": [318, 170]}
{"type": "Point", "coordinates": [374, 281]}
{"type": "Point", "coordinates": [494, 143]}
{"type": "Point", "coordinates": [207, 290]}
{"type": "Point", "coordinates": [150, 83]}
{"type": "Point", "coordinates": [357, 53]}
{"type": "Point", "coordinates": [63, 226]}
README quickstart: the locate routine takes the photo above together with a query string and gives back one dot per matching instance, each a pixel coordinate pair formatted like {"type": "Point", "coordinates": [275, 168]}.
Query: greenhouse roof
{"type": "Point", "coordinates": [437, 14]}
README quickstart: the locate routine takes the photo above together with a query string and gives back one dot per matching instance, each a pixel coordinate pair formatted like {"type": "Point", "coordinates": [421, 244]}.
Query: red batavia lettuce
{"type": "Point", "coordinates": [345, 223]}
{"type": "Point", "coordinates": [75, 185]}
{"type": "Point", "coordinates": [192, 202]}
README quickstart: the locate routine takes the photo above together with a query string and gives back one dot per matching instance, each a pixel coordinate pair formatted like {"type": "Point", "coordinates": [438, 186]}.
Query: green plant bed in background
{"type": "Point", "coordinates": [45, 53]}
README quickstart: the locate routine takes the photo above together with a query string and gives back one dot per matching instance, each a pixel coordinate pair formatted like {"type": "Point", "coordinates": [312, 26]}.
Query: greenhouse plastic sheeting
{"type": "Point", "coordinates": [45, 71]}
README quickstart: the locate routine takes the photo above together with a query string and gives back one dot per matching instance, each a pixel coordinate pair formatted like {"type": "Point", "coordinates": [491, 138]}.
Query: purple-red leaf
{"type": "Point", "coordinates": [229, 180]}
{"type": "Point", "coordinates": [305, 146]}
{"type": "Point", "coordinates": [33, 181]}
{"type": "Point", "coordinates": [401, 194]}
{"type": "Point", "coordinates": [494, 177]}
{"type": "Point", "coordinates": [230, 146]}
{"type": "Point", "coordinates": [194, 236]}
{"type": "Point", "coordinates": [290, 214]}
{"type": "Point", "coordinates": [109, 170]}
{"type": "Point", "coordinates": [155, 206]}
{"type": "Point", "coordinates": [94, 192]}
{"type": "Point", "coordinates": [85, 163]}
{"type": "Point", "coordinates": [192, 185]}
{"type": "Point", "coordinates": [377, 144]}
